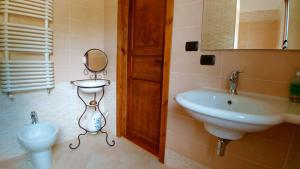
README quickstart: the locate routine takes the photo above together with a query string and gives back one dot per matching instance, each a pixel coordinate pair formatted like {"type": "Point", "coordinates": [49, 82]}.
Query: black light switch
{"type": "Point", "coordinates": [207, 60]}
{"type": "Point", "coordinates": [191, 46]}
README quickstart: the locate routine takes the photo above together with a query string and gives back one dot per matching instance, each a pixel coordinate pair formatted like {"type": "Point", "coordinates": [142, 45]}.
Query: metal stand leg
{"type": "Point", "coordinates": [87, 131]}
{"type": "Point", "coordinates": [78, 138]}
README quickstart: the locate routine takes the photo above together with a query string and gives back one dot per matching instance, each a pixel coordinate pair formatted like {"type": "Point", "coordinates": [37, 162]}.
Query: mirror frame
{"type": "Point", "coordinates": [86, 66]}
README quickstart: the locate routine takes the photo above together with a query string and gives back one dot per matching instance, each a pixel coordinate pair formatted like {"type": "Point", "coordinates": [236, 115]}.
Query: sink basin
{"type": "Point", "coordinates": [231, 116]}
{"type": "Point", "coordinates": [91, 86]}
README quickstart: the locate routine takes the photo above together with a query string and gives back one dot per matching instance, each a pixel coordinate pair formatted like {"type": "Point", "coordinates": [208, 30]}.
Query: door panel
{"type": "Point", "coordinates": [147, 25]}
{"type": "Point", "coordinates": [144, 116]}
{"type": "Point", "coordinates": [145, 68]}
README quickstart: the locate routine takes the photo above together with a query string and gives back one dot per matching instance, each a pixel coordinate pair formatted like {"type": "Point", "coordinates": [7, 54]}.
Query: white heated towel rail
{"type": "Point", "coordinates": [25, 74]}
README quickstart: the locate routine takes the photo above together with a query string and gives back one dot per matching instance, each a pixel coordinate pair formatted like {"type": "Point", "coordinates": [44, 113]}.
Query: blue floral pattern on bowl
{"type": "Point", "coordinates": [98, 123]}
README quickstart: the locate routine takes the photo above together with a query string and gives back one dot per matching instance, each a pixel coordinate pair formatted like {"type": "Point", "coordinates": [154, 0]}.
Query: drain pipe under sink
{"type": "Point", "coordinates": [222, 143]}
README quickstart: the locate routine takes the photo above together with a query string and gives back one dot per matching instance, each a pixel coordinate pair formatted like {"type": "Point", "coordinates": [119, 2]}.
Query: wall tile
{"type": "Point", "coordinates": [60, 25]}
{"type": "Point", "coordinates": [266, 87]}
{"type": "Point", "coordinates": [187, 15]}
{"type": "Point", "coordinates": [181, 36]}
{"type": "Point", "coordinates": [230, 162]}
{"type": "Point", "coordinates": [180, 82]}
{"type": "Point", "coordinates": [186, 146]}
{"type": "Point", "coordinates": [261, 151]}
{"type": "Point", "coordinates": [282, 133]}
{"type": "Point", "coordinates": [253, 63]}
{"type": "Point", "coordinates": [188, 127]}
{"type": "Point", "coordinates": [61, 9]}
{"type": "Point", "coordinates": [189, 62]}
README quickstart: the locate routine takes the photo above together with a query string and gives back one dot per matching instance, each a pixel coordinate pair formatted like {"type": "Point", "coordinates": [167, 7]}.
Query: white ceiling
{"type": "Point", "coordinates": [259, 5]}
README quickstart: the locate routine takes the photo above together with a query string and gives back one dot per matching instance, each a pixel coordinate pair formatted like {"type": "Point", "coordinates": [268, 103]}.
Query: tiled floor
{"type": "Point", "coordinates": [94, 154]}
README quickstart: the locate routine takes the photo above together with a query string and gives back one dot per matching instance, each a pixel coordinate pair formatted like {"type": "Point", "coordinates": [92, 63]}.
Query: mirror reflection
{"type": "Point", "coordinates": [251, 24]}
{"type": "Point", "coordinates": [260, 24]}
{"type": "Point", "coordinates": [95, 60]}
{"type": "Point", "coordinates": [294, 25]}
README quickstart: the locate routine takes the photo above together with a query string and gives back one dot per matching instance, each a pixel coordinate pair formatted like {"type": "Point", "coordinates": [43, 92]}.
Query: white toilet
{"type": "Point", "coordinates": [38, 140]}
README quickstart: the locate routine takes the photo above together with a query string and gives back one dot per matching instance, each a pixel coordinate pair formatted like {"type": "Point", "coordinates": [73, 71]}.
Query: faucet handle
{"type": "Point", "coordinates": [34, 117]}
{"type": "Point", "coordinates": [234, 74]}
{"type": "Point", "coordinates": [33, 113]}
{"type": "Point", "coordinates": [237, 71]}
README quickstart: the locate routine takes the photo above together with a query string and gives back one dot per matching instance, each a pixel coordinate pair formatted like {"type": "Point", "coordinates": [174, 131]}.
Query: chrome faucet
{"type": "Point", "coordinates": [233, 81]}
{"type": "Point", "coordinates": [34, 117]}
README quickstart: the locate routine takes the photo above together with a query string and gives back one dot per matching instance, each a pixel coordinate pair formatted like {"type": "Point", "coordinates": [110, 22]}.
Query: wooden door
{"type": "Point", "coordinates": [143, 69]}
{"type": "Point", "coordinates": [145, 58]}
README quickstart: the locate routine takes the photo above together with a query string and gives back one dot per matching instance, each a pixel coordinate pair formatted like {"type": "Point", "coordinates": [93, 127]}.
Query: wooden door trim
{"type": "Point", "coordinates": [122, 40]}
{"type": "Point", "coordinates": [166, 77]}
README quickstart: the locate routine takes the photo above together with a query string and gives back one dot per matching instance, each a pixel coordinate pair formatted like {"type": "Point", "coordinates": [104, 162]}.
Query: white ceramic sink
{"type": "Point", "coordinates": [91, 86]}
{"type": "Point", "coordinates": [231, 116]}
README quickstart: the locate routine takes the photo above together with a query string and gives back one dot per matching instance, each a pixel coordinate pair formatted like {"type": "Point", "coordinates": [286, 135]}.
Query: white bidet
{"type": "Point", "coordinates": [38, 140]}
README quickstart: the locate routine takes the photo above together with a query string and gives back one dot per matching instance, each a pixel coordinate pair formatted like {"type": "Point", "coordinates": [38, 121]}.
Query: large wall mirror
{"type": "Point", "coordinates": [251, 24]}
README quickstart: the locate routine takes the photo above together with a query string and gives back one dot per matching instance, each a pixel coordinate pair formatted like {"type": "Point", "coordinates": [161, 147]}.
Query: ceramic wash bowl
{"type": "Point", "coordinates": [90, 85]}
{"type": "Point", "coordinates": [231, 116]}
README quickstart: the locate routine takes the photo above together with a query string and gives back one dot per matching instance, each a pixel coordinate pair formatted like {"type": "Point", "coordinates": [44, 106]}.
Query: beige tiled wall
{"type": "Point", "coordinates": [266, 71]}
{"type": "Point", "coordinates": [78, 26]}
{"type": "Point", "coordinates": [110, 39]}
{"type": "Point", "coordinates": [110, 48]}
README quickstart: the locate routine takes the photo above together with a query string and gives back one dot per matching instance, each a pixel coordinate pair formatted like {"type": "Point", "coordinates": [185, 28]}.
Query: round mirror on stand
{"type": "Point", "coordinates": [95, 60]}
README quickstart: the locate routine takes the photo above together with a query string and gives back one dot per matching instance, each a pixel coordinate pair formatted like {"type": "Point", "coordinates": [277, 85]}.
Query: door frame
{"type": "Point", "coordinates": [122, 40]}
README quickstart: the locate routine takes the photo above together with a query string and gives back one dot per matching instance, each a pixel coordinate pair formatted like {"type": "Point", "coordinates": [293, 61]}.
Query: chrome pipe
{"type": "Point", "coordinates": [222, 143]}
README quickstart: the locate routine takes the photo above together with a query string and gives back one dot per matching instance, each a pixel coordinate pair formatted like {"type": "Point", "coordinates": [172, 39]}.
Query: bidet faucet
{"type": "Point", "coordinates": [233, 81]}
{"type": "Point", "coordinates": [34, 117]}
